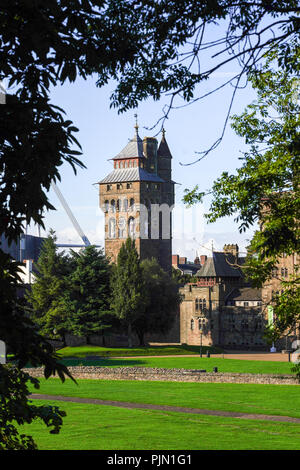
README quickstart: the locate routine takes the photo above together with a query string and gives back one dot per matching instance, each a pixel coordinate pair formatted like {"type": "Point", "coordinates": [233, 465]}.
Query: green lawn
{"type": "Point", "coordinates": [92, 427]}
{"type": "Point", "coordinates": [247, 398]}
{"type": "Point", "coordinates": [193, 362]}
{"type": "Point", "coordinates": [83, 351]}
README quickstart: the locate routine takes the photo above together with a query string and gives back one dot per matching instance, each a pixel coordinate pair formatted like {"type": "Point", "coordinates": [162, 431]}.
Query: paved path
{"type": "Point", "coordinates": [279, 357]}
{"type": "Point", "coordinates": [254, 356]}
{"type": "Point", "coordinates": [144, 406]}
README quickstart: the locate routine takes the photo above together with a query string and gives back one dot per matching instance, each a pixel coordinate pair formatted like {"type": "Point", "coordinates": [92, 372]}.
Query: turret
{"type": "Point", "coordinates": [164, 159]}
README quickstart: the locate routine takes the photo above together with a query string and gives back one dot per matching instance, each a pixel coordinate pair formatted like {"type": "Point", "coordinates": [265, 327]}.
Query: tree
{"type": "Point", "coordinates": [27, 345]}
{"type": "Point", "coordinates": [86, 298]}
{"type": "Point", "coordinates": [13, 383]}
{"type": "Point", "coordinates": [163, 300]}
{"type": "Point", "coordinates": [180, 278]}
{"type": "Point", "coordinates": [265, 189]}
{"type": "Point", "coordinates": [128, 288]}
{"type": "Point", "coordinates": [50, 285]}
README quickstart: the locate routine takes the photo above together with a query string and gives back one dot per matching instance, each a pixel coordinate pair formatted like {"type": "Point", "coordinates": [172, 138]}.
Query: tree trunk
{"type": "Point", "coordinates": [141, 337]}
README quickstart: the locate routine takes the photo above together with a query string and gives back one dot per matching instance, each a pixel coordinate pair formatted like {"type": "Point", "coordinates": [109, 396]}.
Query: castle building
{"type": "Point", "coordinates": [137, 198]}
{"type": "Point", "coordinates": [221, 308]}
{"type": "Point", "coordinates": [285, 270]}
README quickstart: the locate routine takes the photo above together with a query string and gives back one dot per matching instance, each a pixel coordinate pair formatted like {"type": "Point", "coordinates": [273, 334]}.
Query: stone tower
{"type": "Point", "coordinates": [137, 198]}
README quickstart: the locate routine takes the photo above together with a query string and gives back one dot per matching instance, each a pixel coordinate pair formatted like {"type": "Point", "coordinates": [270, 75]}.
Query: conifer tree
{"type": "Point", "coordinates": [50, 284]}
{"type": "Point", "coordinates": [86, 299]}
{"type": "Point", "coordinates": [163, 300]}
{"type": "Point", "coordinates": [128, 288]}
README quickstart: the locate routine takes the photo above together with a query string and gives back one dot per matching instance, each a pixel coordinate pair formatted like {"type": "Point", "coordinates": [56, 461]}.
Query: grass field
{"type": "Point", "coordinates": [83, 351]}
{"type": "Point", "coordinates": [248, 398]}
{"type": "Point", "coordinates": [193, 362]}
{"type": "Point", "coordinates": [92, 427]}
{"type": "Point", "coordinates": [103, 427]}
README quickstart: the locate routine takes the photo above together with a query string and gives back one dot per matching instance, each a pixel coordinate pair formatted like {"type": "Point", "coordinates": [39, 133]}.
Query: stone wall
{"type": "Point", "coordinates": [116, 337]}
{"type": "Point", "coordinates": [170, 375]}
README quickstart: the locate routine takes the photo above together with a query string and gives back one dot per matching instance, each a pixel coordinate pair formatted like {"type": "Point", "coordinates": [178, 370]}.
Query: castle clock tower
{"type": "Point", "coordinates": [137, 198]}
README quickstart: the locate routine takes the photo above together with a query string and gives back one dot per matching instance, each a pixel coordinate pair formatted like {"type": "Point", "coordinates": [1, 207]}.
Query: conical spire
{"type": "Point", "coordinates": [134, 148]}
{"type": "Point", "coordinates": [163, 149]}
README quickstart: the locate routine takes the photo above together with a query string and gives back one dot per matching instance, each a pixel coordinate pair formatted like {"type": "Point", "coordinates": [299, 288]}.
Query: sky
{"type": "Point", "coordinates": [103, 133]}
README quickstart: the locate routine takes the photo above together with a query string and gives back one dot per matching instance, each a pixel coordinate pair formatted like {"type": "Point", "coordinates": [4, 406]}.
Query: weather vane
{"type": "Point", "coordinates": [136, 122]}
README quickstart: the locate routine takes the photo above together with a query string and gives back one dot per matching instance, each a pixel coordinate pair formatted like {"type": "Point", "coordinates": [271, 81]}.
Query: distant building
{"type": "Point", "coordinates": [27, 247]}
{"type": "Point", "coordinates": [285, 268]}
{"type": "Point", "coordinates": [184, 266]}
{"type": "Point", "coordinates": [245, 297]}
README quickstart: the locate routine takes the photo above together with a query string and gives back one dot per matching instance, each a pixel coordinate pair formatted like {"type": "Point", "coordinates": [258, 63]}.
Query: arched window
{"type": "Point", "coordinates": [160, 225]}
{"type": "Point", "coordinates": [106, 206]}
{"type": "Point", "coordinates": [112, 228]}
{"type": "Point", "coordinates": [121, 228]}
{"type": "Point", "coordinates": [131, 227]}
{"type": "Point", "coordinates": [284, 272]}
{"type": "Point", "coordinates": [200, 304]}
{"type": "Point", "coordinates": [145, 217]}
{"type": "Point", "coordinates": [192, 324]}
{"type": "Point", "coordinates": [118, 204]}
{"type": "Point", "coordinates": [113, 205]}
{"type": "Point", "coordinates": [131, 204]}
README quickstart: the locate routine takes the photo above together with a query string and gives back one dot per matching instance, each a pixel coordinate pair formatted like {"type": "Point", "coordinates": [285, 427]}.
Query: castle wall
{"type": "Point", "coordinates": [219, 325]}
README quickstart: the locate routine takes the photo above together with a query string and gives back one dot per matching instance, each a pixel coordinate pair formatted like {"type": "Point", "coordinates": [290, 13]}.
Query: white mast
{"type": "Point", "coordinates": [70, 214]}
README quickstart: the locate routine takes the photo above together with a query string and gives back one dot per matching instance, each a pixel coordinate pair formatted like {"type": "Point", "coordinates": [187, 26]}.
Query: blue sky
{"type": "Point", "coordinates": [103, 133]}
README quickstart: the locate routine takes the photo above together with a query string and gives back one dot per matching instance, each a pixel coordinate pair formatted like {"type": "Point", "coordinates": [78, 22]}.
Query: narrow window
{"type": "Point", "coordinates": [131, 204]}
{"type": "Point", "coordinates": [112, 228]}
{"type": "Point", "coordinates": [122, 225]}
{"type": "Point", "coordinates": [131, 227]}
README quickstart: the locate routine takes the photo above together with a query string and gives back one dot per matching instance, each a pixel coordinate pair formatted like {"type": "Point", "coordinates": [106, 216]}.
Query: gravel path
{"type": "Point", "coordinates": [144, 406]}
